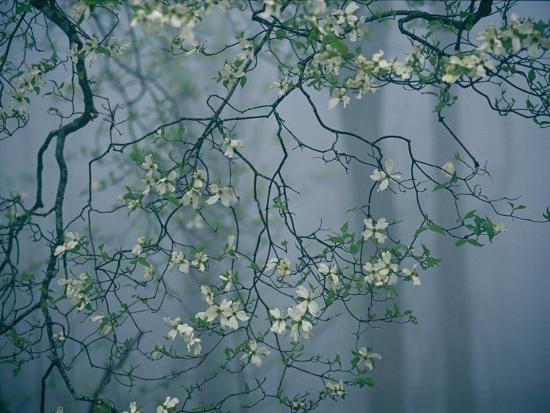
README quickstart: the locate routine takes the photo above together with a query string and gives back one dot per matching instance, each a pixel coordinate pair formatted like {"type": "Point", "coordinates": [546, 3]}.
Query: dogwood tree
{"type": "Point", "coordinates": [97, 286]}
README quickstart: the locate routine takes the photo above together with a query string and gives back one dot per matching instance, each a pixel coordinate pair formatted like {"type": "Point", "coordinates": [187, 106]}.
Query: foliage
{"type": "Point", "coordinates": [211, 216]}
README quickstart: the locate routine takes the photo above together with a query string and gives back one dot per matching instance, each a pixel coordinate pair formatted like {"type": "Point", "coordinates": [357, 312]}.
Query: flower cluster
{"type": "Point", "coordinates": [193, 195]}
{"type": "Point", "coordinates": [519, 35]}
{"type": "Point", "coordinates": [228, 312]}
{"type": "Point", "coordinates": [77, 290]}
{"type": "Point", "coordinates": [162, 185]}
{"type": "Point", "coordinates": [382, 272]}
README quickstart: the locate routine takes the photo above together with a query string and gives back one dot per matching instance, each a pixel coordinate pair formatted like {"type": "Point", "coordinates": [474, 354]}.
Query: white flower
{"type": "Point", "coordinates": [283, 86]}
{"type": "Point", "coordinates": [412, 274]}
{"type": "Point", "coordinates": [138, 248]}
{"type": "Point", "coordinates": [148, 163]}
{"type": "Point", "coordinates": [283, 266]}
{"type": "Point", "coordinates": [225, 194]}
{"type": "Point", "coordinates": [193, 195]}
{"type": "Point", "coordinates": [232, 315]}
{"type": "Point", "coordinates": [382, 272]}
{"type": "Point", "coordinates": [105, 326]}
{"type": "Point", "coordinates": [375, 229]}
{"type": "Point", "coordinates": [336, 389]}
{"type": "Point", "coordinates": [231, 73]}
{"type": "Point", "coordinates": [272, 7]}
{"type": "Point", "coordinates": [448, 169]}
{"type": "Point", "coordinates": [368, 357]}
{"type": "Point", "coordinates": [178, 258]}
{"type": "Point", "coordinates": [279, 323]}
{"type": "Point", "coordinates": [308, 300]}
{"type": "Point", "coordinates": [178, 328]}
{"type": "Point", "coordinates": [168, 404]}
{"type": "Point", "coordinates": [81, 10]}
{"type": "Point", "coordinates": [228, 312]}
{"type": "Point", "coordinates": [227, 279]}
{"type": "Point", "coordinates": [186, 332]}
{"type": "Point", "coordinates": [166, 183]}
{"type": "Point", "coordinates": [232, 145]}
{"type": "Point", "coordinates": [340, 96]}
{"type": "Point", "coordinates": [302, 326]}
{"type": "Point", "coordinates": [71, 242]}
{"type": "Point", "coordinates": [330, 273]}
{"type": "Point", "coordinates": [133, 408]}
{"type": "Point", "coordinates": [385, 175]}
{"type": "Point", "coordinates": [207, 294]}
{"type": "Point", "coordinates": [194, 345]}
{"type": "Point", "coordinates": [255, 352]}
{"type": "Point", "coordinates": [76, 290]}
{"type": "Point", "coordinates": [500, 228]}
{"type": "Point", "coordinates": [148, 271]}
{"type": "Point", "coordinates": [200, 260]}
{"type": "Point", "coordinates": [59, 337]}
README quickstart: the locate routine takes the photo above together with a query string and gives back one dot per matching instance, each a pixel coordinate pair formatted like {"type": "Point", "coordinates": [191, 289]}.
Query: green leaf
{"type": "Point", "coordinates": [362, 381]}
{"type": "Point", "coordinates": [437, 228]}
{"type": "Point", "coordinates": [440, 186]}
{"type": "Point", "coordinates": [470, 214]}
{"type": "Point", "coordinates": [474, 242]}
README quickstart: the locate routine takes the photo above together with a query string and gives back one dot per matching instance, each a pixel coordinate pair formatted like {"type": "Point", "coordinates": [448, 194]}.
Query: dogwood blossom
{"type": "Point", "coordinates": [193, 195]}
{"type": "Point", "coordinates": [499, 228]}
{"type": "Point", "coordinates": [178, 258]}
{"type": "Point", "coordinates": [207, 294]}
{"type": "Point", "coordinates": [300, 325]}
{"type": "Point", "coordinates": [168, 404]}
{"type": "Point", "coordinates": [368, 357]}
{"type": "Point", "coordinates": [224, 194]}
{"type": "Point", "coordinates": [330, 273]}
{"type": "Point", "coordinates": [166, 183]}
{"type": "Point", "coordinates": [282, 86]}
{"type": "Point", "coordinates": [336, 389]}
{"type": "Point", "coordinates": [72, 240]}
{"type": "Point", "coordinates": [339, 96]}
{"type": "Point", "coordinates": [385, 175]}
{"type": "Point", "coordinates": [199, 261]}
{"type": "Point", "coordinates": [228, 312]}
{"type": "Point", "coordinates": [178, 328]}
{"type": "Point", "coordinates": [138, 248]}
{"type": "Point", "coordinates": [232, 145]}
{"type": "Point", "coordinates": [278, 318]}
{"type": "Point", "coordinates": [133, 408]}
{"type": "Point", "coordinates": [382, 272]}
{"type": "Point", "coordinates": [227, 279]}
{"type": "Point", "coordinates": [412, 274]}
{"type": "Point", "coordinates": [254, 353]}
{"type": "Point", "coordinates": [375, 229]}
{"type": "Point", "coordinates": [186, 332]}
{"type": "Point", "coordinates": [105, 325]}
{"type": "Point", "coordinates": [283, 266]}
{"type": "Point", "coordinates": [76, 290]}
{"type": "Point", "coordinates": [448, 169]}
{"type": "Point", "coordinates": [308, 303]}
